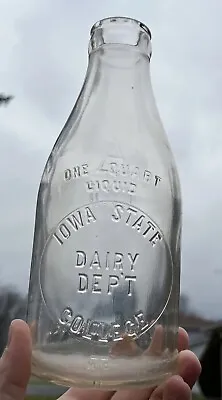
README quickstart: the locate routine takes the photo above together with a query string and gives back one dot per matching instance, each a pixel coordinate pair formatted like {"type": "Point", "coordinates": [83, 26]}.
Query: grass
{"type": "Point", "coordinates": [40, 398]}
{"type": "Point", "coordinates": [198, 397]}
{"type": "Point", "coordinates": [35, 381]}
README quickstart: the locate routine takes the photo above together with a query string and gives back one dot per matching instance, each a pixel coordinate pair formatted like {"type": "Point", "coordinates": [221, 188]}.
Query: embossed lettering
{"type": "Point", "coordinates": [118, 168]}
{"type": "Point", "coordinates": [138, 223]}
{"type": "Point", "coordinates": [137, 220]}
{"type": "Point", "coordinates": [147, 176]}
{"type": "Point", "coordinates": [130, 327]}
{"type": "Point", "coordinates": [65, 232]}
{"type": "Point", "coordinates": [101, 267]}
{"type": "Point", "coordinates": [76, 172]}
{"type": "Point", "coordinates": [58, 238]}
{"type": "Point", "coordinates": [118, 261]}
{"type": "Point", "coordinates": [130, 279]}
{"type": "Point", "coordinates": [156, 238]}
{"type": "Point", "coordinates": [80, 259]}
{"type": "Point", "coordinates": [66, 316]}
{"type": "Point", "coordinates": [76, 220]}
{"type": "Point", "coordinates": [89, 186]}
{"type": "Point", "coordinates": [139, 317]}
{"type": "Point", "coordinates": [105, 185]}
{"type": "Point", "coordinates": [83, 283]}
{"type": "Point", "coordinates": [77, 324]}
{"type": "Point", "coordinates": [90, 217]}
{"type": "Point", "coordinates": [95, 263]}
{"type": "Point", "coordinates": [113, 168]}
{"type": "Point", "coordinates": [117, 212]}
{"type": "Point", "coordinates": [73, 222]}
{"type": "Point", "coordinates": [95, 283]}
{"type": "Point", "coordinates": [103, 167]}
{"type": "Point", "coordinates": [94, 331]}
{"type": "Point", "coordinates": [132, 188]}
{"type": "Point", "coordinates": [113, 282]}
{"type": "Point", "coordinates": [150, 226]}
{"type": "Point", "coordinates": [114, 332]}
{"type": "Point", "coordinates": [96, 363]}
{"type": "Point", "coordinates": [108, 186]}
{"type": "Point", "coordinates": [157, 179]}
{"type": "Point", "coordinates": [86, 328]}
{"type": "Point", "coordinates": [85, 169]}
{"type": "Point", "coordinates": [68, 174]}
{"type": "Point", "coordinates": [99, 330]}
{"type": "Point", "coordinates": [106, 260]}
{"type": "Point", "coordinates": [133, 260]}
{"type": "Point", "coordinates": [131, 211]}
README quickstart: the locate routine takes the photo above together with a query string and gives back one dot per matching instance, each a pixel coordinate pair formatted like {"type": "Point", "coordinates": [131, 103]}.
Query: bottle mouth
{"type": "Point", "coordinates": [106, 22]}
{"type": "Point", "coordinates": [120, 31]}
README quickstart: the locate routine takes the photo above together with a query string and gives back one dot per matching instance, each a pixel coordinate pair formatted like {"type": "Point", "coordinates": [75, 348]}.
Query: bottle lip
{"type": "Point", "coordinates": [120, 20]}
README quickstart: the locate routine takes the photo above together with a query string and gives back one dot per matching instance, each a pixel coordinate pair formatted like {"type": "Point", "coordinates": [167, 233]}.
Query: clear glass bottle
{"type": "Point", "coordinates": [105, 273]}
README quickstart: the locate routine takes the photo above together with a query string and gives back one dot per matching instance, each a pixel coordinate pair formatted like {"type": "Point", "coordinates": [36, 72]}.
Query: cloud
{"type": "Point", "coordinates": [44, 58]}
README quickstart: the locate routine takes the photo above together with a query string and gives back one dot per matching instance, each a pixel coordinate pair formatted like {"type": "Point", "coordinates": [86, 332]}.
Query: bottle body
{"type": "Point", "coordinates": [104, 284]}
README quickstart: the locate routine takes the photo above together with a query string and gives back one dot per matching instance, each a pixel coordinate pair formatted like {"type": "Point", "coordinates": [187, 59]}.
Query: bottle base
{"type": "Point", "coordinates": [101, 372]}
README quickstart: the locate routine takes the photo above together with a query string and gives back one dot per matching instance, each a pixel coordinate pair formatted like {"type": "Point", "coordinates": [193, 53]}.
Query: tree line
{"type": "Point", "coordinates": [12, 306]}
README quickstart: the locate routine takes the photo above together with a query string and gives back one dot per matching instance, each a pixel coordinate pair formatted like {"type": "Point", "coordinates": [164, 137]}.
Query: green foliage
{"type": "Point", "coordinates": [40, 398]}
{"type": "Point", "coordinates": [198, 397]}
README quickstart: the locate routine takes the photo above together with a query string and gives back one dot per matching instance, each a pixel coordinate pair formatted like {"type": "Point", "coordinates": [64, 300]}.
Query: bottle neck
{"type": "Point", "coordinates": [115, 61]}
{"type": "Point", "coordinates": [121, 50]}
{"type": "Point", "coordinates": [117, 90]}
{"type": "Point", "coordinates": [120, 80]}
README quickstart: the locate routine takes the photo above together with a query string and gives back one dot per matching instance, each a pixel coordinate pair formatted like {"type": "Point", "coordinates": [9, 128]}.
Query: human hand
{"type": "Point", "coordinates": [15, 371]}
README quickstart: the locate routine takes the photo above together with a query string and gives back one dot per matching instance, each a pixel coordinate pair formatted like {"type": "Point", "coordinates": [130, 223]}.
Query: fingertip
{"type": "Point", "coordinates": [183, 339]}
{"type": "Point", "coordinates": [189, 367]}
{"type": "Point", "coordinates": [19, 324]}
{"type": "Point", "coordinates": [175, 388]}
{"type": "Point", "coordinates": [16, 362]}
{"type": "Point", "coordinates": [20, 327]}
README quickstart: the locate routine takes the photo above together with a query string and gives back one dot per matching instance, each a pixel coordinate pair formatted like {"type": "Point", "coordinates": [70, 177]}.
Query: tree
{"type": "Point", "coordinates": [184, 304]}
{"type": "Point", "coordinates": [4, 99]}
{"type": "Point", "coordinates": [12, 305]}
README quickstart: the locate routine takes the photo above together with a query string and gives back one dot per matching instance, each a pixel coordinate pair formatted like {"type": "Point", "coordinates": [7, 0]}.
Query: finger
{"type": "Point", "coordinates": [154, 348]}
{"type": "Point", "coordinates": [82, 394]}
{"type": "Point", "coordinates": [138, 394]}
{"type": "Point", "coordinates": [15, 365]}
{"type": "Point", "coordinates": [175, 388]}
{"type": "Point", "coordinates": [189, 367]}
{"type": "Point", "coordinates": [156, 345]}
{"type": "Point", "coordinates": [141, 394]}
{"type": "Point", "coordinates": [183, 340]}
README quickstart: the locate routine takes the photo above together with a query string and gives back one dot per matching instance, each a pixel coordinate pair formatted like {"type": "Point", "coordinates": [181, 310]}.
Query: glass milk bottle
{"type": "Point", "coordinates": [105, 272]}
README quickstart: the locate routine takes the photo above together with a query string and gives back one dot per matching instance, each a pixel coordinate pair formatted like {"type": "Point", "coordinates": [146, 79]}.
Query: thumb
{"type": "Point", "coordinates": [15, 365]}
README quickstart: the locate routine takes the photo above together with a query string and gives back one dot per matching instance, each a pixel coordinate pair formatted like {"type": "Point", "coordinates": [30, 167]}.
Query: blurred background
{"type": "Point", "coordinates": [43, 47]}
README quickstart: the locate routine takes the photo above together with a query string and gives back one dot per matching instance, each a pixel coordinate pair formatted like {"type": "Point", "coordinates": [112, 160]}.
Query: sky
{"type": "Point", "coordinates": [43, 47]}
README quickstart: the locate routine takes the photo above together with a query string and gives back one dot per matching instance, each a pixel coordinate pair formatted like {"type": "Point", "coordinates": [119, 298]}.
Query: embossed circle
{"type": "Point", "coordinates": [106, 262]}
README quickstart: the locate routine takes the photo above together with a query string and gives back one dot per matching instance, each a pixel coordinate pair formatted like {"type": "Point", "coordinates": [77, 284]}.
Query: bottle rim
{"type": "Point", "coordinates": [109, 20]}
